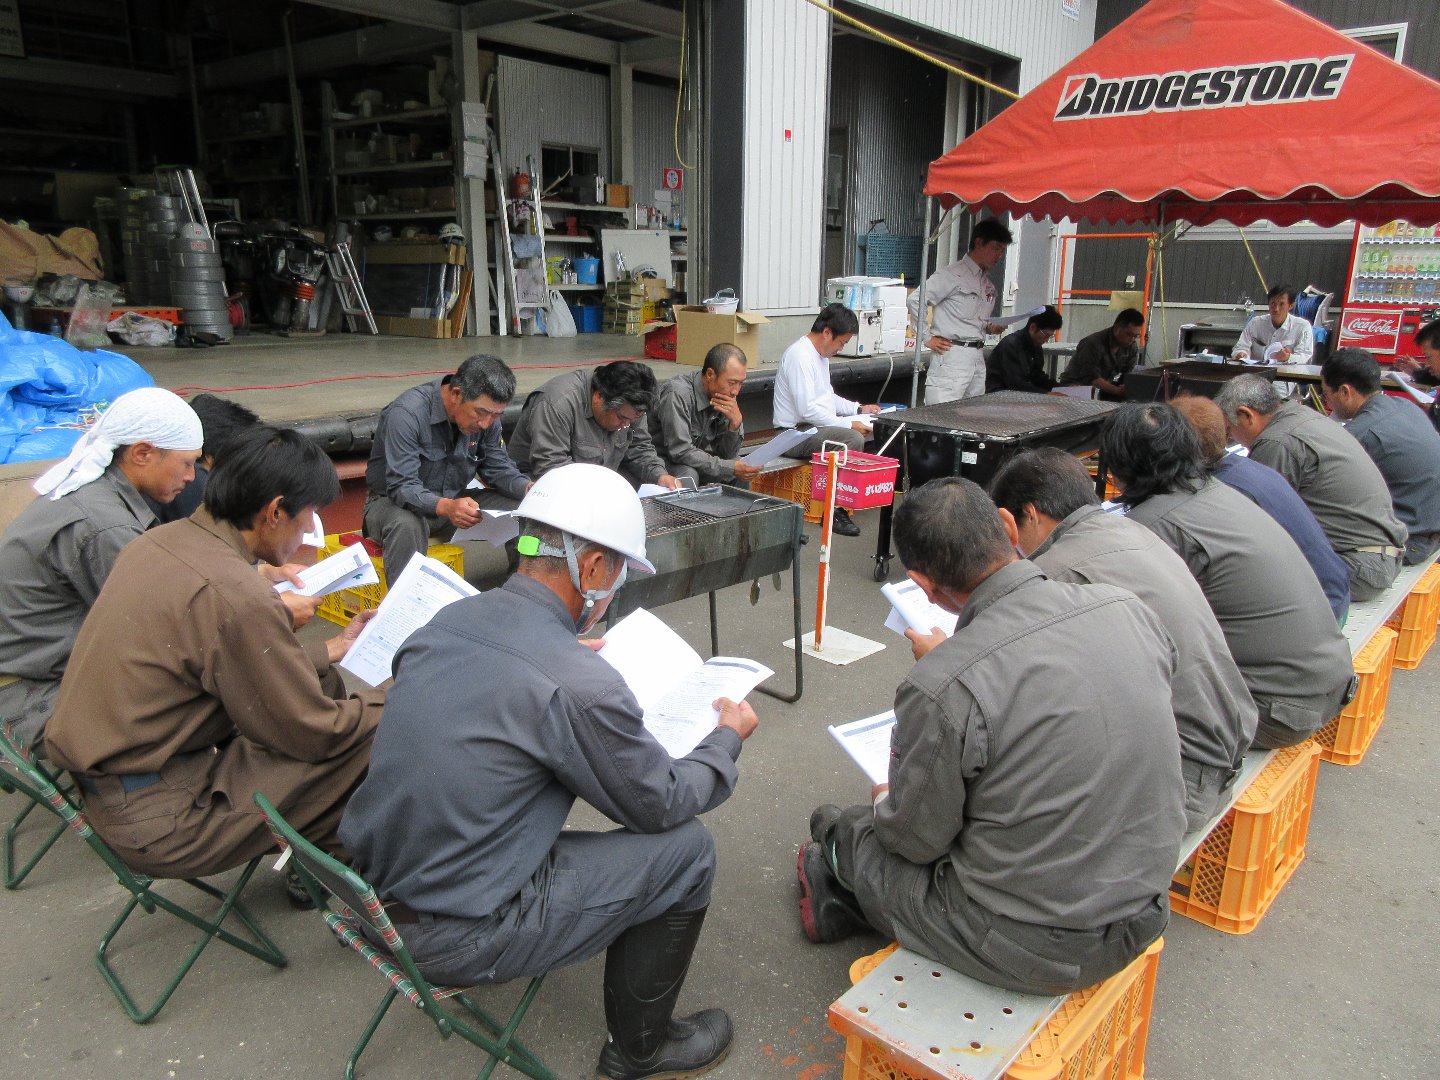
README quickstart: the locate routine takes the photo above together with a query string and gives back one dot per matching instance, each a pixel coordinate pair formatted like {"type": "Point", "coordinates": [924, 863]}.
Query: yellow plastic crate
{"type": "Point", "coordinates": [340, 607]}
{"type": "Point", "coordinates": [1239, 869]}
{"type": "Point", "coordinates": [1345, 739]}
{"type": "Point", "coordinates": [1416, 621]}
{"type": "Point", "coordinates": [1097, 1034]}
{"type": "Point", "coordinates": [791, 484]}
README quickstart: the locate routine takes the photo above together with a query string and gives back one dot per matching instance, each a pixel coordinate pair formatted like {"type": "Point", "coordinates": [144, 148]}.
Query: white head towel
{"type": "Point", "coordinates": [149, 414]}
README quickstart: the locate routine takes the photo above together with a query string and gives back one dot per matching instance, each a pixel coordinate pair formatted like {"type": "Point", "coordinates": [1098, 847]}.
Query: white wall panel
{"type": "Point", "coordinates": [787, 60]}
{"type": "Point", "coordinates": [654, 137]}
{"type": "Point", "coordinates": [787, 47]}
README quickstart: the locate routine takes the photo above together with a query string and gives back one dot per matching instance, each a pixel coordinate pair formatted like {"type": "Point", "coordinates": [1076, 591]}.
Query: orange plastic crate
{"type": "Point", "coordinates": [1346, 738]}
{"type": "Point", "coordinates": [1239, 869]}
{"type": "Point", "coordinates": [1416, 621]}
{"type": "Point", "coordinates": [1096, 1034]}
{"type": "Point", "coordinates": [791, 484]}
{"type": "Point", "coordinates": [340, 607]}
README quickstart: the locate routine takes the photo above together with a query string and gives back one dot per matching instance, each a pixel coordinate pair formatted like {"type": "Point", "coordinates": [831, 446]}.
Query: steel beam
{"type": "Point", "coordinates": [73, 76]}
{"type": "Point", "coordinates": [321, 55]}
{"type": "Point", "coordinates": [432, 14]}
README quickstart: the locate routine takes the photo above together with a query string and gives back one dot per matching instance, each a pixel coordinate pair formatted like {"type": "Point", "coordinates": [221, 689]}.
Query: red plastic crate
{"type": "Point", "coordinates": [1345, 739]}
{"type": "Point", "coordinates": [862, 481]}
{"type": "Point", "coordinates": [1239, 869]}
{"type": "Point", "coordinates": [1416, 621]}
{"type": "Point", "coordinates": [1097, 1034]}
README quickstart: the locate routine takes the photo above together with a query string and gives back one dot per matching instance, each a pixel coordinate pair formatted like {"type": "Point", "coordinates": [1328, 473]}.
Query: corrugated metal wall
{"type": "Point", "coordinates": [894, 107]}
{"type": "Point", "coordinates": [787, 54]}
{"type": "Point", "coordinates": [1215, 271]}
{"type": "Point", "coordinates": [542, 103]}
{"type": "Point", "coordinates": [787, 47]}
{"type": "Point", "coordinates": [654, 137]}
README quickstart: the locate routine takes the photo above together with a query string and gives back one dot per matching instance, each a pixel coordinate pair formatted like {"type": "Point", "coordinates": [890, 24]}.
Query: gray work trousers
{"type": "Point", "coordinates": [815, 443]}
{"type": "Point", "coordinates": [1206, 789]}
{"type": "Point", "coordinates": [927, 911]}
{"type": "Point", "coordinates": [1290, 721]}
{"type": "Point", "coordinates": [401, 532]}
{"type": "Point", "coordinates": [1371, 572]}
{"type": "Point", "coordinates": [591, 888]}
{"type": "Point", "coordinates": [25, 708]}
{"type": "Point", "coordinates": [1420, 546]}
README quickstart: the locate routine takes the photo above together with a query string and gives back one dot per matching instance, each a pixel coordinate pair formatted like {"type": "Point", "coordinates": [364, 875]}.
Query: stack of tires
{"type": "Point", "coordinates": [197, 282]}
{"type": "Point", "coordinates": [149, 266]}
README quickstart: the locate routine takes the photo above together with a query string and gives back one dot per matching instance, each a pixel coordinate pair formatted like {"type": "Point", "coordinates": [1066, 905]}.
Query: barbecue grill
{"type": "Point", "coordinates": [974, 436]}
{"type": "Point", "coordinates": [708, 539]}
{"type": "Point", "coordinates": [1176, 377]}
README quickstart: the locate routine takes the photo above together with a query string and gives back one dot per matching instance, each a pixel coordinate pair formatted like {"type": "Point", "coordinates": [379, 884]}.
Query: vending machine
{"type": "Point", "coordinates": [1393, 288]}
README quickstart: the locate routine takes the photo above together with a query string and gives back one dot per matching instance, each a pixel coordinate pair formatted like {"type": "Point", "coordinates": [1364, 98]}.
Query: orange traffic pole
{"type": "Point", "coordinates": [827, 521]}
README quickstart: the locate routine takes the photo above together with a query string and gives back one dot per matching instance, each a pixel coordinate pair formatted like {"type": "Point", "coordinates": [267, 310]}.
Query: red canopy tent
{"type": "Point", "coordinates": [1209, 110]}
{"type": "Point", "coordinates": [1205, 110]}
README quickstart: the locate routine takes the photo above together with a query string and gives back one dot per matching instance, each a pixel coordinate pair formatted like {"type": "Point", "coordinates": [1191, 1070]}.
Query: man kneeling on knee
{"type": "Point", "coordinates": [1030, 826]}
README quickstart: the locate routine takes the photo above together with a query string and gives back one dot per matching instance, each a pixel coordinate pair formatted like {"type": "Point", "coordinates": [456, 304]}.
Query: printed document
{"type": "Point", "coordinates": [910, 610]}
{"type": "Point", "coordinates": [424, 587]}
{"type": "Point", "coordinates": [344, 570]}
{"type": "Point", "coordinates": [1414, 391]}
{"type": "Point", "coordinates": [495, 526]}
{"type": "Point", "coordinates": [776, 447]}
{"type": "Point", "coordinates": [647, 491]}
{"type": "Point", "coordinates": [867, 742]}
{"type": "Point", "coordinates": [1011, 320]}
{"type": "Point", "coordinates": [673, 685]}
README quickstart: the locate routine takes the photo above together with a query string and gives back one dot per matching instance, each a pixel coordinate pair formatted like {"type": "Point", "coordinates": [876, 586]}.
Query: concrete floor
{"type": "Point", "coordinates": [1339, 980]}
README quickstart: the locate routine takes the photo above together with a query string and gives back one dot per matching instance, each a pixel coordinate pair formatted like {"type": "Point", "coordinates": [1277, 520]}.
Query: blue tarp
{"type": "Point", "coordinates": [46, 383]}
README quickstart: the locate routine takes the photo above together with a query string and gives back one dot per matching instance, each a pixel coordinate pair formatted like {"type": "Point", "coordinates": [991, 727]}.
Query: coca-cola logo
{"type": "Point", "coordinates": [1375, 324]}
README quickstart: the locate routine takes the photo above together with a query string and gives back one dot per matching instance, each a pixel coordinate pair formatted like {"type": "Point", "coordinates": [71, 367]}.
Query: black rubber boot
{"type": "Point", "coordinates": [644, 970]}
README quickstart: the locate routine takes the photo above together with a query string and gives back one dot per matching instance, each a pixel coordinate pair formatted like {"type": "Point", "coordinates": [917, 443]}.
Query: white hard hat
{"type": "Point", "coordinates": [591, 502]}
{"type": "Point", "coordinates": [451, 231]}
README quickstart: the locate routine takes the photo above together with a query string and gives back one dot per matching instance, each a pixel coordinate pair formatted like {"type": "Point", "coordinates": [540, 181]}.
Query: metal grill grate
{"type": "Point", "coordinates": [1005, 413]}
{"type": "Point", "coordinates": [664, 517]}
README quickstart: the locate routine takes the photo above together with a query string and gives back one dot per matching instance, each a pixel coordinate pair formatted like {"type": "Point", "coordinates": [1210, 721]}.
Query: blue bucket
{"type": "Point", "coordinates": [587, 271]}
{"type": "Point", "coordinates": [587, 317]}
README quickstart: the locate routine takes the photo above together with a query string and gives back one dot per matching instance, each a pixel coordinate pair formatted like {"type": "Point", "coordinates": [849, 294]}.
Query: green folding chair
{"type": "Point", "coordinates": [32, 781]}
{"type": "Point", "coordinates": [348, 903]}
{"type": "Point", "coordinates": [15, 870]}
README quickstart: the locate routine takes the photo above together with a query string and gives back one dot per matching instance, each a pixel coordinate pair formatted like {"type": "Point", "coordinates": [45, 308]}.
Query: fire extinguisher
{"type": "Point", "coordinates": [520, 185]}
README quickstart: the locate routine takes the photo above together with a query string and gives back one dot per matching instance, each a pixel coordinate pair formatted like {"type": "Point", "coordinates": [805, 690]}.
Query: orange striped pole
{"type": "Point", "coordinates": [827, 521]}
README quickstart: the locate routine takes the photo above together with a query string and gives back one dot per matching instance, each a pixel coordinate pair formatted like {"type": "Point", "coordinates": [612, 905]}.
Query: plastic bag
{"type": "Point", "coordinates": [135, 329]}
{"type": "Point", "coordinates": [561, 322]}
{"type": "Point", "coordinates": [90, 316]}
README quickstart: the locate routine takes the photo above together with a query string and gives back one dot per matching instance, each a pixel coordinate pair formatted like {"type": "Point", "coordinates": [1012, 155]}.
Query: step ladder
{"type": "Point", "coordinates": [348, 289]}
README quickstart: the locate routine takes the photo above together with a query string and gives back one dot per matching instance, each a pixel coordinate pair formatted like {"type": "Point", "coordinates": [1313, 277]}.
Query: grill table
{"type": "Point", "coordinates": [708, 539]}
{"type": "Point", "coordinates": [974, 436]}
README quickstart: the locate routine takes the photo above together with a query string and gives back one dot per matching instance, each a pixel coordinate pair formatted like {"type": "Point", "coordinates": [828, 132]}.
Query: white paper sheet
{"type": "Point", "coordinates": [672, 685]}
{"type": "Point", "coordinates": [424, 587]}
{"type": "Point", "coordinates": [1085, 392]}
{"type": "Point", "coordinates": [776, 447]}
{"type": "Point", "coordinates": [1011, 320]}
{"type": "Point", "coordinates": [1410, 388]}
{"type": "Point", "coordinates": [909, 610]}
{"type": "Point", "coordinates": [345, 569]}
{"type": "Point", "coordinates": [315, 538]}
{"type": "Point", "coordinates": [647, 491]}
{"type": "Point", "coordinates": [867, 742]}
{"type": "Point", "coordinates": [495, 526]}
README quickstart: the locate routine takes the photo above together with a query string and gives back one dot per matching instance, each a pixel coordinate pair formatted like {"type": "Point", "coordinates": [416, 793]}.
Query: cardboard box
{"type": "Point", "coordinates": [440, 198]}
{"type": "Point", "coordinates": [617, 194]}
{"type": "Point", "coordinates": [409, 198]}
{"type": "Point", "coordinates": [698, 330]}
{"type": "Point", "coordinates": [413, 253]}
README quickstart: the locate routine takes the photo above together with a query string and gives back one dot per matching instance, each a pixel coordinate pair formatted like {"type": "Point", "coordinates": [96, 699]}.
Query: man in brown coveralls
{"type": "Point", "coordinates": [187, 691]}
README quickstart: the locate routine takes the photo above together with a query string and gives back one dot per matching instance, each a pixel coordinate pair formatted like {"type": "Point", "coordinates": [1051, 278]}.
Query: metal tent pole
{"type": "Point", "coordinates": [920, 308]}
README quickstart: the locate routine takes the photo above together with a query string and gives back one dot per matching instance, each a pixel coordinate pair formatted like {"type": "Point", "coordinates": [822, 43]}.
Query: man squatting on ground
{"type": "Point", "coordinates": [460, 823]}
{"type": "Point", "coordinates": [696, 424]}
{"type": "Point", "coordinates": [1028, 832]}
{"type": "Point", "coordinates": [430, 443]}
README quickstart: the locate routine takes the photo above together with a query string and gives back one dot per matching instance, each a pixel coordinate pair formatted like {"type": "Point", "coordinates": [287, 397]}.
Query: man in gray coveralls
{"type": "Point", "coordinates": [1028, 832]}
{"type": "Point", "coordinates": [460, 822]}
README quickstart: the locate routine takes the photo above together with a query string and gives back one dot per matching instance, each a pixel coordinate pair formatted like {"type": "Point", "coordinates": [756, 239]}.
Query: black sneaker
{"type": "Point", "coordinates": [843, 524]}
{"type": "Point", "coordinates": [295, 891]}
{"type": "Point", "coordinates": [822, 820]}
{"type": "Point", "coordinates": [827, 911]}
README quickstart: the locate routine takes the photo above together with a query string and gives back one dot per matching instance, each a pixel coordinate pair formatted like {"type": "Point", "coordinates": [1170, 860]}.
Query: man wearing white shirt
{"type": "Point", "coordinates": [1280, 337]}
{"type": "Point", "coordinates": [961, 299]}
{"type": "Point", "coordinates": [804, 397]}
